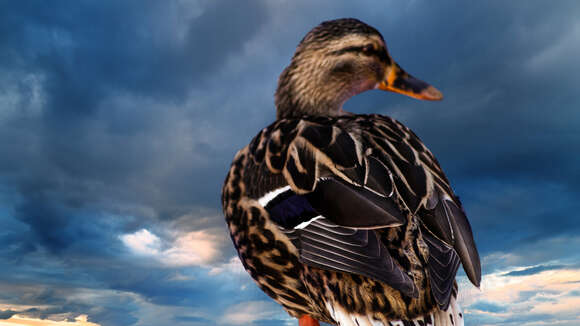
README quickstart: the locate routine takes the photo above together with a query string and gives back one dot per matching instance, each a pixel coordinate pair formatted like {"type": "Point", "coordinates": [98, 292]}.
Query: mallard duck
{"type": "Point", "coordinates": [344, 218]}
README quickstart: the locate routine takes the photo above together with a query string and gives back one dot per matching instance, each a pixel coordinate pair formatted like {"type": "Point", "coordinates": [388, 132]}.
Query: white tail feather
{"type": "Point", "coordinates": [450, 317]}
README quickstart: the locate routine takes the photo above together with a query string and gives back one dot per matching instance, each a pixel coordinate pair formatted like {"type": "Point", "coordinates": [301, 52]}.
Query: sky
{"type": "Point", "coordinates": [119, 120]}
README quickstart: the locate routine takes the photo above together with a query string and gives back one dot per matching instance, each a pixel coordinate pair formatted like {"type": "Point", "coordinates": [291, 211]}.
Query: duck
{"type": "Point", "coordinates": [347, 218]}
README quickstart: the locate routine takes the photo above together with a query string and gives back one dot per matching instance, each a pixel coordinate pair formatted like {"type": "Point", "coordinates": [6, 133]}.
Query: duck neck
{"type": "Point", "coordinates": [304, 91]}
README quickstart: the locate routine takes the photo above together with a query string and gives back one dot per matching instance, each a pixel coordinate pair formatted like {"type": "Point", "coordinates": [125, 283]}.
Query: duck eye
{"type": "Point", "coordinates": [368, 49]}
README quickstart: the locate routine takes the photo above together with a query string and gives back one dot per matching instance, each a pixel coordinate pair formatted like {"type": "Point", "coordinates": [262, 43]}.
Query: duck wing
{"type": "Point", "coordinates": [425, 191]}
{"type": "Point", "coordinates": [361, 173]}
{"type": "Point", "coordinates": [341, 236]}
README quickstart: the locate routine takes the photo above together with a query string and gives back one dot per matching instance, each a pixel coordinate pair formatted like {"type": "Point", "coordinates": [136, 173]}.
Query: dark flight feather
{"type": "Point", "coordinates": [362, 173]}
{"type": "Point", "coordinates": [353, 206]}
{"type": "Point", "coordinates": [443, 265]}
{"type": "Point", "coordinates": [326, 245]}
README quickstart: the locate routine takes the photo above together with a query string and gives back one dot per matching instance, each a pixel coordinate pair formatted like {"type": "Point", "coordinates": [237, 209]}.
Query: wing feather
{"type": "Point", "coordinates": [443, 264]}
{"type": "Point", "coordinates": [326, 245]}
{"type": "Point", "coordinates": [363, 172]}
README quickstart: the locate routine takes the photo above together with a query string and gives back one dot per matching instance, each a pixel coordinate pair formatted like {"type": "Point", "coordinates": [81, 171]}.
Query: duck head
{"type": "Point", "coordinates": [337, 60]}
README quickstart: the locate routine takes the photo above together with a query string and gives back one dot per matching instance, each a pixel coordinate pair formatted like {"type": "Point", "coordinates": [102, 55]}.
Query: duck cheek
{"type": "Point", "coordinates": [343, 68]}
{"type": "Point", "coordinates": [377, 70]}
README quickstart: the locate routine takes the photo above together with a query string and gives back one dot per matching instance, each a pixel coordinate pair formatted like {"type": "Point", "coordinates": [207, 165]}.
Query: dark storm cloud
{"type": "Point", "coordinates": [112, 290]}
{"type": "Point", "coordinates": [6, 314]}
{"type": "Point", "coordinates": [125, 115]}
{"type": "Point", "coordinates": [81, 148]}
{"type": "Point", "coordinates": [88, 50]}
{"type": "Point", "coordinates": [60, 298]}
{"type": "Point", "coordinates": [504, 131]}
{"type": "Point", "coordinates": [192, 319]}
{"type": "Point", "coordinates": [84, 86]}
{"type": "Point", "coordinates": [56, 226]}
{"type": "Point", "coordinates": [487, 306]}
{"type": "Point", "coordinates": [534, 270]}
{"type": "Point", "coordinates": [485, 319]}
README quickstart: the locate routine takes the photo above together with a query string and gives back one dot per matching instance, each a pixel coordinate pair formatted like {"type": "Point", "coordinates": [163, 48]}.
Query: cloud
{"type": "Point", "coordinates": [550, 57]}
{"type": "Point", "coordinates": [192, 319]}
{"type": "Point", "coordinates": [530, 257]}
{"type": "Point", "coordinates": [6, 314]}
{"type": "Point", "coordinates": [522, 298]}
{"type": "Point", "coordinates": [534, 270]}
{"type": "Point", "coordinates": [142, 242]}
{"type": "Point", "coordinates": [233, 266]}
{"type": "Point", "coordinates": [80, 320]}
{"type": "Point", "coordinates": [527, 285]}
{"type": "Point", "coordinates": [488, 307]}
{"type": "Point", "coordinates": [30, 301]}
{"type": "Point", "coordinates": [123, 119]}
{"type": "Point", "coordinates": [247, 313]}
{"type": "Point", "coordinates": [195, 248]}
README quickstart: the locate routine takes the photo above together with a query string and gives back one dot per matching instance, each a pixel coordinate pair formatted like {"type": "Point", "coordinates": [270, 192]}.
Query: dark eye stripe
{"type": "Point", "coordinates": [382, 55]}
{"type": "Point", "coordinates": [348, 49]}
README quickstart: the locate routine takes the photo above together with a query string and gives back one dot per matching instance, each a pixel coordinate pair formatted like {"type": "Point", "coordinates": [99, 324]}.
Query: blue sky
{"type": "Point", "coordinates": [119, 121]}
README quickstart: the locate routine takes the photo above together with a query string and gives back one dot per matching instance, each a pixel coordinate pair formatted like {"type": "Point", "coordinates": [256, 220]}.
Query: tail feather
{"type": "Point", "coordinates": [452, 316]}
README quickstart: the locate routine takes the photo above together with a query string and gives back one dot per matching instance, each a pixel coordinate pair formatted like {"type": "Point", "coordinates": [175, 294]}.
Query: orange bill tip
{"type": "Point", "coordinates": [399, 81]}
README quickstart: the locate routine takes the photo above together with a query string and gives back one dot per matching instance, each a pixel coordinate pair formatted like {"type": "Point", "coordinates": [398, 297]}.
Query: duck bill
{"type": "Point", "coordinates": [401, 82]}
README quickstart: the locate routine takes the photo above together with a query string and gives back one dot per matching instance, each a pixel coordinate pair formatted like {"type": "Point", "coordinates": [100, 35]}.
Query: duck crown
{"type": "Point", "coordinates": [334, 61]}
{"type": "Point", "coordinates": [337, 29]}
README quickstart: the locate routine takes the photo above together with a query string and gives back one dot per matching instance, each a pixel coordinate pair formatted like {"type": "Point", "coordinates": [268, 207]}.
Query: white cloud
{"type": "Point", "coordinates": [500, 288]}
{"type": "Point", "coordinates": [246, 313]}
{"type": "Point", "coordinates": [233, 266]}
{"type": "Point", "coordinates": [530, 285]}
{"type": "Point", "coordinates": [195, 248]}
{"type": "Point", "coordinates": [81, 320]}
{"type": "Point", "coordinates": [142, 242]}
{"type": "Point", "coordinates": [518, 299]}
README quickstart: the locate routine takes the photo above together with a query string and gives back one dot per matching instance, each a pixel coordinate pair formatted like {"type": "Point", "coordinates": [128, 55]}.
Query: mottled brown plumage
{"type": "Point", "coordinates": [347, 218]}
